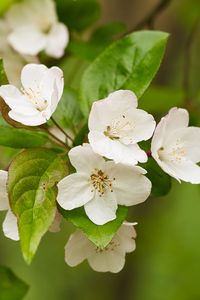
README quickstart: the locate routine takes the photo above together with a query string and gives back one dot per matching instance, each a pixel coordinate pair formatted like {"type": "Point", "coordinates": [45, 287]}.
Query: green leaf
{"type": "Point", "coordinates": [21, 138]}
{"type": "Point", "coordinates": [130, 63]}
{"type": "Point", "coordinates": [33, 175]}
{"type": "Point", "coordinates": [99, 235]}
{"type": "Point", "coordinates": [68, 113]}
{"type": "Point", "coordinates": [3, 77]}
{"type": "Point", "coordinates": [11, 287]}
{"type": "Point", "coordinates": [161, 182]}
{"type": "Point", "coordinates": [79, 14]}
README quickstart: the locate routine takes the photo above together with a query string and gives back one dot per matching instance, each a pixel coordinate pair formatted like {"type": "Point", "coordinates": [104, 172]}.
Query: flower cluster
{"type": "Point", "coordinates": [107, 172]}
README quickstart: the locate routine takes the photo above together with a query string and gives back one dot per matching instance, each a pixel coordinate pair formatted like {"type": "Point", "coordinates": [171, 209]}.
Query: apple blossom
{"type": "Point", "coordinates": [175, 146]}
{"type": "Point", "coordinates": [101, 185]}
{"type": "Point", "coordinates": [116, 126]}
{"type": "Point", "coordinates": [10, 228]}
{"type": "Point", "coordinates": [34, 27]}
{"type": "Point", "coordinates": [37, 100]}
{"type": "Point", "coordinates": [108, 259]}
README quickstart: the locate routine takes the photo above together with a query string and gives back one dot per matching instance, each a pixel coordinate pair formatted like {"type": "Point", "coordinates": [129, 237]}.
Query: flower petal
{"type": "Point", "coordinates": [32, 76]}
{"type": "Point", "coordinates": [78, 248]}
{"type": "Point", "coordinates": [27, 40]}
{"type": "Point", "coordinates": [55, 226]}
{"type": "Point", "coordinates": [85, 160]}
{"type": "Point", "coordinates": [106, 110]}
{"type": "Point", "coordinates": [114, 149]}
{"type": "Point", "coordinates": [130, 185]}
{"type": "Point", "coordinates": [101, 209]}
{"type": "Point", "coordinates": [33, 120]}
{"type": "Point", "coordinates": [57, 40]}
{"type": "Point", "coordinates": [74, 191]}
{"type": "Point", "coordinates": [10, 227]}
{"type": "Point", "coordinates": [126, 236]}
{"type": "Point", "coordinates": [4, 203]}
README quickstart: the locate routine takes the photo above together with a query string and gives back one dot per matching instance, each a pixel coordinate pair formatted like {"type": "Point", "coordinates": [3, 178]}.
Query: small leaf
{"type": "Point", "coordinates": [11, 287]}
{"type": "Point", "coordinates": [99, 235]}
{"type": "Point", "coordinates": [21, 138]}
{"type": "Point", "coordinates": [130, 63]}
{"type": "Point", "coordinates": [33, 175]}
{"type": "Point", "coordinates": [161, 182]}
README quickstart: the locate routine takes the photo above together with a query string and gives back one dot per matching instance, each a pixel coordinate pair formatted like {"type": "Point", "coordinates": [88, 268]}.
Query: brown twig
{"type": "Point", "coordinates": [60, 128]}
{"type": "Point", "coordinates": [149, 20]}
{"type": "Point", "coordinates": [55, 138]}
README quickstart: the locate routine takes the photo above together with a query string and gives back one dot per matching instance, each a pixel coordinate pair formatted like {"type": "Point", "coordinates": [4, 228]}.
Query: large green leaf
{"type": "Point", "coordinates": [130, 63]}
{"type": "Point", "coordinates": [21, 138]}
{"type": "Point", "coordinates": [33, 175]}
{"type": "Point", "coordinates": [99, 235]}
{"type": "Point", "coordinates": [79, 14]}
{"type": "Point", "coordinates": [11, 287]}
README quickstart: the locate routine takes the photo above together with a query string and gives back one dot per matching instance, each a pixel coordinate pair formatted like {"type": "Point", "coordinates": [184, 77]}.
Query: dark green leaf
{"type": "Point", "coordinates": [11, 287]}
{"type": "Point", "coordinates": [161, 182]}
{"type": "Point", "coordinates": [130, 63]}
{"type": "Point", "coordinates": [79, 14]}
{"type": "Point", "coordinates": [99, 235]}
{"type": "Point", "coordinates": [33, 175]}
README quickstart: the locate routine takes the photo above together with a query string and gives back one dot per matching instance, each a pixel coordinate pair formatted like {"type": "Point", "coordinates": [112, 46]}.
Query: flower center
{"type": "Point", "coordinates": [101, 182]}
{"type": "Point", "coordinates": [110, 247]}
{"type": "Point", "coordinates": [119, 128]}
{"type": "Point", "coordinates": [176, 153]}
{"type": "Point", "coordinates": [35, 97]}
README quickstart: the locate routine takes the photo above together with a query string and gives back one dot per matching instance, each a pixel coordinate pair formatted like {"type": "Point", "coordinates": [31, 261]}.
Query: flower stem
{"type": "Point", "coordinates": [60, 128]}
{"type": "Point", "coordinates": [61, 143]}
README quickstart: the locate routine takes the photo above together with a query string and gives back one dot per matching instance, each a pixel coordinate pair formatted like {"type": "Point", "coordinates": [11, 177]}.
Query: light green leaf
{"type": "Point", "coordinates": [130, 63]}
{"type": "Point", "coordinates": [33, 175]}
{"type": "Point", "coordinates": [99, 235]}
{"type": "Point", "coordinates": [21, 138]}
{"type": "Point", "coordinates": [11, 287]}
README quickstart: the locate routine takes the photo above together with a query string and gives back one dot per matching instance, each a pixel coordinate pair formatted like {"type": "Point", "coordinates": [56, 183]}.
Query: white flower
{"type": "Point", "coordinates": [34, 27]}
{"type": "Point", "coordinates": [109, 259]}
{"type": "Point", "coordinates": [101, 185]}
{"type": "Point", "coordinates": [176, 147]}
{"type": "Point", "coordinates": [41, 91]}
{"type": "Point", "coordinates": [116, 126]}
{"type": "Point", "coordinates": [10, 228]}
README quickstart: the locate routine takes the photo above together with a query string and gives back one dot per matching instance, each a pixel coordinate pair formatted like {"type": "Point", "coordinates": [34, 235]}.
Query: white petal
{"type": "Point", "coordinates": [143, 126]}
{"type": "Point", "coordinates": [101, 209]}
{"type": "Point", "coordinates": [184, 170]}
{"type": "Point", "coordinates": [130, 185]}
{"type": "Point", "coordinates": [114, 149]}
{"type": "Point", "coordinates": [78, 248]}
{"type": "Point", "coordinates": [33, 120]}
{"type": "Point", "coordinates": [57, 40]}
{"type": "Point", "coordinates": [10, 227]}
{"type": "Point", "coordinates": [74, 191]}
{"type": "Point", "coordinates": [107, 261]}
{"type": "Point", "coordinates": [108, 109]}
{"type": "Point", "coordinates": [85, 160]}
{"type": "Point", "coordinates": [4, 203]}
{"type": "Point", "coordinates": [16, 101]}
{"type": "Point", "coordinates": [27, 40]}
{"type": "Point", "coordinates": [126, 236]}
{"type": "Point", "coordinates": [32, 76]}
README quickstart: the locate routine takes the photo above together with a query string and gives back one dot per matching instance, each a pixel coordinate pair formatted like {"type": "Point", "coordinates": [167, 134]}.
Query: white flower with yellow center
{"type": "Point", "coordinates": [101, 185]}
{"type": "Point", "coordinates": [34, 27]}
{"type": "Point", "coordinates": [116, 126]}
{"type": "Point", "coordinates": [176, 147]}
{"type": "Point", "coordinates": [108, 259]}
{"type": "Point", "coordinates": [38, 98]}
{"type": "Point", "coordinates": [10, 228]}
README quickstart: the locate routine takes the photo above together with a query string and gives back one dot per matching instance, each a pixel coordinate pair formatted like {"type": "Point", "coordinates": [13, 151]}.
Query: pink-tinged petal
{"type": "Point", "coordinates": [55, 226]}
{"type": "Point", "coordinates": [104, 111]}
{"type": "Point", "coordinates": [101, 209]}
{"type": "Point", "coordinates": [114, 149]}
{"type": "Point", "coordinates": [29, 120]}
{"type": "Point", "coordinates": [27, 40]}
{"type": "Point", "coordinates": [130, 186]}
{"type": "Point", "coordinates": [85, 160]}
{"type": "Point", "coordinates": [74, 191]}
{"type": "Point", "coordinates": [78, 248]}
{"type": "Point", "coordinates": [57, 40]}
{"type": "Point", "coordinates": [4, 203]}
{"type": "Point", "coordinates": [10, 227]}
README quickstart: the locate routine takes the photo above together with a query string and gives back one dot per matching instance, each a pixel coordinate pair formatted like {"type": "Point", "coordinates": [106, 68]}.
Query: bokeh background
{"type": "Point", "coordinates": [166, 263]}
